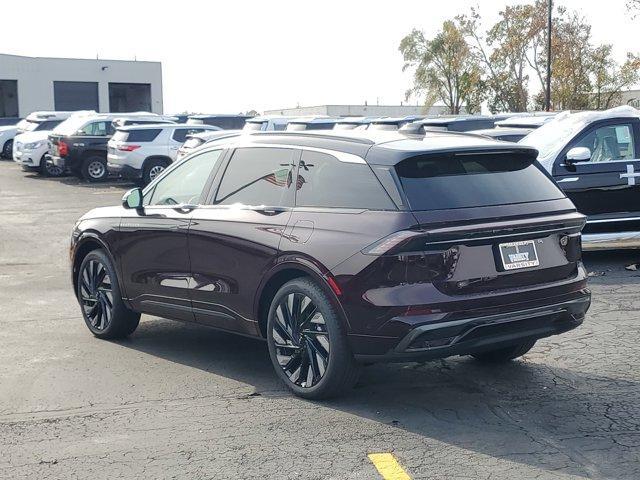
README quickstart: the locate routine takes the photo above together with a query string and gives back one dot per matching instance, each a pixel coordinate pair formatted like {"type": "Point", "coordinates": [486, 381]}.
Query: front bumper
{"type": "Point", "coordinates": [124, 171]}
{"type": "Point", "coordinates": [475, 334]}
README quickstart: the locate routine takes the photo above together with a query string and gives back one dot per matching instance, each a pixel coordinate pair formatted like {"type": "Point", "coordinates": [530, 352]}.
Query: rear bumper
{"type": "Point", "coordinates": [445, 338]}
{"type": "Point", "coordinates": [58, 161]}
{"type": "Point", "coordinates": [124, 171]}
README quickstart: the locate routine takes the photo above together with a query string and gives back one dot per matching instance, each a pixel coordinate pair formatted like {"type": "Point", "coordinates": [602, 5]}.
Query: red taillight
{"type": "Point", "coordinates": [128, 148]}
{"type": "Point", "coordinates": [63, 148]}
{"type": "Point", "coordinates": [390, 243]}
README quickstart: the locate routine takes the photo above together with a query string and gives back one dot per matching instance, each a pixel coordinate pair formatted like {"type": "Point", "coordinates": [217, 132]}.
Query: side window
{"type": "Point", "coordinates": [143, 135]}
{"type": "Point", "coordinates": [609, 143]}
{"type": "Point", "coordinates": [184, 184]}
{"type": "Point", "coordinates": [325, 181]}
{"type": "Point", "coordinates": [258, 176]}
{"type": "Point", "coordinates": [180, 134]}
{"type": "Point", "coordinates": [94, 129]}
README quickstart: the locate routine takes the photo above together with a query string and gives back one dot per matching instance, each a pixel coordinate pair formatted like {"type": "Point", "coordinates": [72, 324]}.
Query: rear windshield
{"type": "Point", "coordinates": [474, 180]}
{"type": "Point", "coordinates": [146, 135]}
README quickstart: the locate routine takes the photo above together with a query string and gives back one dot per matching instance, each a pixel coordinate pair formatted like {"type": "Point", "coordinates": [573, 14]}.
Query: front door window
{"type": "Point", "coordinates": [609, 143]}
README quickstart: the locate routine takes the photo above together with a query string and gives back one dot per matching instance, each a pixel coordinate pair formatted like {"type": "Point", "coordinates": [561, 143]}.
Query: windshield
{"type": "Point", "coordinates": [553, 135]}
{"type": "Point", "coordinates": [70, 126]}
{"type": "Point", "coordinates": [23, 126]}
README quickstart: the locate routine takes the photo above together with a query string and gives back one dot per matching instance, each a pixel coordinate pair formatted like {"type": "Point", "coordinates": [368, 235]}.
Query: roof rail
{"type": "Point", "coordinates": [326, 136]}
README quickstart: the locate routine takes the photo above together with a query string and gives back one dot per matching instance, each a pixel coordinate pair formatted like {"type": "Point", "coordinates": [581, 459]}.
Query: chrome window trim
{"type": "Point", "coordinates": [341, 156]}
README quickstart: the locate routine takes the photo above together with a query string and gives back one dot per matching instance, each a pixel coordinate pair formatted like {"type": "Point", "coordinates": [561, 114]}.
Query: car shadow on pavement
{"type": "Point", "coordinates": [531, 411]}
{"type": "Point", "coordinates": [78, 182]}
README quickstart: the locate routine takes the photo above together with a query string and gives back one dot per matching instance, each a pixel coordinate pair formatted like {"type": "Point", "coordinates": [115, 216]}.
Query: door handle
{"type": "Point", "coordinates": [185, 208]}
{"type": "Point", "coordinates": [271, 210]}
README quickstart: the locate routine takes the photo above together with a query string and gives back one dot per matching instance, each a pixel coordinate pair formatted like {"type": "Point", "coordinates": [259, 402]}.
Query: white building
{"type": "Point", "coordinates": [360, 110]}
{"type": "Point", "coordinates": [29, 84]}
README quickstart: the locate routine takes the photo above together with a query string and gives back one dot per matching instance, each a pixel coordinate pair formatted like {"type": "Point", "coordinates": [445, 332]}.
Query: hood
{"type": "Point", "coordinates": [8, 128]}
{"type": "Point", "coordinates": [30, 137]}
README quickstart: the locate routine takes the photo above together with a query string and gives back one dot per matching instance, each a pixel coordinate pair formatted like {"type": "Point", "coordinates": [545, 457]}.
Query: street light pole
{"type": "Point", "coordinates": [548, 89]}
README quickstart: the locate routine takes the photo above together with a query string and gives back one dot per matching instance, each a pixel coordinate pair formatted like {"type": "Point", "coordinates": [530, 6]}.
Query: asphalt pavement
{"type": "Point", "coordinates": [182, 401]}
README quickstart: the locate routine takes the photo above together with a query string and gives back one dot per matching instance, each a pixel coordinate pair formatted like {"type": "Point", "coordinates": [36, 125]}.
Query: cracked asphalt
{"type": "Point", "coordinates": [182, 401]}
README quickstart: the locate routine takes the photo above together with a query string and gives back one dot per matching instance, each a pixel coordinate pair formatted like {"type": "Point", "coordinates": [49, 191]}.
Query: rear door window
{"type": "Point", "coordinates": [146, 135]}
{"type": "Point", "coordinates": [325, 181]}
{"type": "Point", "coordinates": [443, 181]}
{"type": "Point", "coordinates": [97, 129]}
{"type": "Point", "coordinates": [258, 176]}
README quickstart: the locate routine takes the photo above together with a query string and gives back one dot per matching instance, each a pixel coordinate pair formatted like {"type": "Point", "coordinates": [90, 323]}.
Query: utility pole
{"type": "Point", "coordinates": [548, 89]}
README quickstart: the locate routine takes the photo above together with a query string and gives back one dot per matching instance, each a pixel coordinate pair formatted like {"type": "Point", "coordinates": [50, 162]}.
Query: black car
{"type": "Point", "coordinates": [595, 158]}
{"type": "Point", "coordinates": [340, 250]}
{"type": "Point", "coordinates": [80, 143]}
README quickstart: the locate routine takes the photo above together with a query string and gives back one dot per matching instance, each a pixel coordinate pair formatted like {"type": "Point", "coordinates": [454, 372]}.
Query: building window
{"type": "Point", "coordinates": [69, 96]}
{"type": "Point", "coordinates": [8, 98]}
{"type": "Point", "coordinates": [129, 97]}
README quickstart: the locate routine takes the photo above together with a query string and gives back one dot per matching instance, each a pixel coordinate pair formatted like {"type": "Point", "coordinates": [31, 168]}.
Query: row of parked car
{"type": "Point", "coordinates": [594, 156]}
{"type": "Point", "coordinates": [140, 145]}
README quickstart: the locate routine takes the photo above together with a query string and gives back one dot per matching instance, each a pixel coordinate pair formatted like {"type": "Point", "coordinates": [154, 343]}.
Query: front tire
{"type": "Point", "coordinates": [100, 299]}
{"type": "Point", "coordinates": [307, 342]}
{"type": "Point", "coordinates": [7, 150]}
{"type": "Point", "coordinates": [506, 354]}
{"type": "Point", "coordinates": [94, 169]}
{"type": "Point", "coordinates": [49, 169]}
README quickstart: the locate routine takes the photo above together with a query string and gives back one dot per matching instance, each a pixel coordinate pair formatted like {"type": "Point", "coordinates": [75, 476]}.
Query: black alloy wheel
{"type": "Point", "coordinates": [96, 294]}
{"type": "Point", "coordinates": [7, 150]}
{"type": "Point", "coordinates": [301, 340]}
{"type": "Point", "coordinates": [49, 169]}
{"type": "Point", "coordinates": [307, 341]}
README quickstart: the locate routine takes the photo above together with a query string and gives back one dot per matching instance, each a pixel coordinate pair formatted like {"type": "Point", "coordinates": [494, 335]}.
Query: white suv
{"type": "Point", "coordinates": [141, 152]}
{"type": "Point", "coordinates": [31, 144]}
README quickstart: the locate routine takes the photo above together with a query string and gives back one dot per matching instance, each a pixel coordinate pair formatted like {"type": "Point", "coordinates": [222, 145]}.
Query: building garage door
{"type": "Point", "coordinates": [8, 98]}
{"type": "Point", "coordinates": [69, 96]}
{"type": "Point", "coordinates": [129, 97]}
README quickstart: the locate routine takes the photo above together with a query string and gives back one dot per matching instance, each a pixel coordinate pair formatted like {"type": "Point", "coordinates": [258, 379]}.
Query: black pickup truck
{"type": "Point", "coordinates": [80, 144]}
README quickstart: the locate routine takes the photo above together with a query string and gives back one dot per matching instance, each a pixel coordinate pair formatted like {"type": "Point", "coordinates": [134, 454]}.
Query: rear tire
{"type": "Point", "coordinates": [94, 169]}
{"type": "Point", "coordinates": [152, 169]}
{"type": "Point", "coordinates": [307, 342]}
{"type": "Point", "coordinates": [506, 354]}
{"type": "Point", "coordinates": [98, 292]}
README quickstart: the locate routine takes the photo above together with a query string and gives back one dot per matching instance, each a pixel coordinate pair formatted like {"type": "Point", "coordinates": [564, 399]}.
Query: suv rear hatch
{"type": "Point", "coordinates": [486, 221]}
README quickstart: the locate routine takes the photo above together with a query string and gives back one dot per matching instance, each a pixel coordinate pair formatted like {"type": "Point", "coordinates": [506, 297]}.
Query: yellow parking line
{"type": "Point", "coordinates": [388, 466]}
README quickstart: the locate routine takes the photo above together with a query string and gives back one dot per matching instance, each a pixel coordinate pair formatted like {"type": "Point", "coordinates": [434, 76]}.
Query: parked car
{"type": "Point", "coordinates": [504, 134]}
{"type": "Point", "coordinates": [353, 123]}
{"type": "Point", "coordinates": [79, 144]}
{"type": "Point", "coordinates": [196, 140]}
{"type": "Point", "coordinates": [266, 123]}
{"type": "Point", "coordinates": [595, 158]}
{"type": "Point", "coordinates": [31, 147]}
{"type": "Point", "coordinates": [460, 123]}
{"type": "Point", "coordinates": [526, 121]}
{"type": "Point", "coordinates": [36, 121]}
{"type": "Point", "coordinates": [311, 123]}
{"type": "Point", "coordinates": [223, 121]}
{"type": "Point", "coordinates": [342, 249]}
{"type": "Point", "coordinates": [141, 152]}
{"type": "Point", "coordinates": [392, 123]}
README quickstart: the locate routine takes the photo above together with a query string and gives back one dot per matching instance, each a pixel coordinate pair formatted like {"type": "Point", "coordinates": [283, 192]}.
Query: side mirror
{"type": "Point", "coordinates": [133, 198]}
{"type": "Point", "coordinates": [578, 154]}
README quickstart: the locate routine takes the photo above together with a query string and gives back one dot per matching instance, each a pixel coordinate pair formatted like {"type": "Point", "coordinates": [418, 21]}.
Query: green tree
{"type": "Point", "coordinates": [445, 68]}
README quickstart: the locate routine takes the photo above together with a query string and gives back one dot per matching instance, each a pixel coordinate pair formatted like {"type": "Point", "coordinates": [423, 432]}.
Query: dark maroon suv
{"type": "Point", "coordinates": [341, 250]}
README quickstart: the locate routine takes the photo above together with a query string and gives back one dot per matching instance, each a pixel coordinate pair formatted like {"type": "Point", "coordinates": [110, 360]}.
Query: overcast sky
{"type": "Point", "coordinates": [230, 56]}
